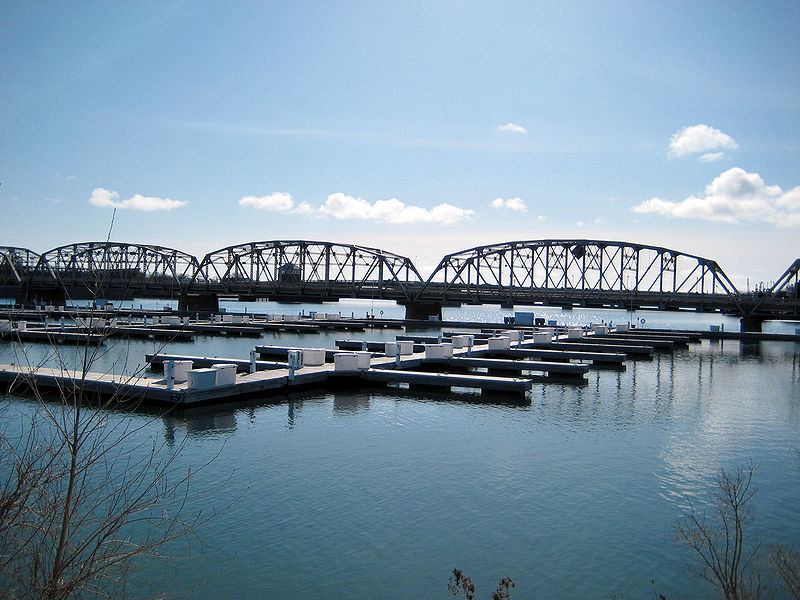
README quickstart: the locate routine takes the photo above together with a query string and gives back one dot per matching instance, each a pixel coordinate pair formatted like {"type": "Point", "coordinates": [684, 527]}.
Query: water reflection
{"type": "Point", "coordinates": [350, 403]}
{"type": "Point", "coordinates": [199, 422]}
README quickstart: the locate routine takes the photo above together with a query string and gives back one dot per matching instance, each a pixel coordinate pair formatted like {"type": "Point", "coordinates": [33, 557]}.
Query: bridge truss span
{"type": "Point", "coordinates": [582, 272]}
{"type": "Point", "coordinates": [300, 269]}
{"type": "Point", "coordinates": [114, 270]}
{"type": "Point", "coordinates": [16, 264]}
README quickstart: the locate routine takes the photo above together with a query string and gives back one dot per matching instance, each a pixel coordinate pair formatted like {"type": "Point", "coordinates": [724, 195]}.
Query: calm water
{"type": "Point", "coordinates": [382, 494]}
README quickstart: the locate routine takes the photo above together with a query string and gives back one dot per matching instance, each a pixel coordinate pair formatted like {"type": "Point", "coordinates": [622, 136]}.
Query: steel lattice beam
{"type": "Point", "coordinates": [580, 271]}
{"type": "Point", "coordinates": [16, 265]}
{"type": "Point", "coordinates": [119, 269]}
{"type": "Point", "coordinates": [325, 270]}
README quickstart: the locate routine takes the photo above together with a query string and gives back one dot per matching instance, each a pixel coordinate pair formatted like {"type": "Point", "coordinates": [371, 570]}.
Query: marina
{"type": "Point", "coordinates": [466, 405]}
{"type": "Point", "coordinates": [488, 360]}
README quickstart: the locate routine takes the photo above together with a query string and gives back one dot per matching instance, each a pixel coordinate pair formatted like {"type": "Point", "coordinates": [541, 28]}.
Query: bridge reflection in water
{"type": "Point", "coordinates": [566, 273]}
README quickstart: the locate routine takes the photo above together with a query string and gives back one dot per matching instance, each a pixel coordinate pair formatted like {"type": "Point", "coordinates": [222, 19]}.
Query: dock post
{"type": "Point", "coordinates": [170, 374]}
{"type": "Point", "coordinates": [295, 362]}
{"type": "Point", "coordinates": [62, 324]}
{"type": "Point", "coordinates": [252, 361]}
{"type": "Point", "coordinates": [397, 355]}
{"type": "Point", "coordinates": [469, 345]}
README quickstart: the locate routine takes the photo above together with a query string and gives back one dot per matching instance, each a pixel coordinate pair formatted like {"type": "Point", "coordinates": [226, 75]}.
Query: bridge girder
{"type": "Point", "coordinates": [16, 264]}
{"type": "Point", "coordinates": [325, 270]}
{"type": "Point", "coordinates": [562, 270]}
{"type": "Point", "coordinates": [114, 269]}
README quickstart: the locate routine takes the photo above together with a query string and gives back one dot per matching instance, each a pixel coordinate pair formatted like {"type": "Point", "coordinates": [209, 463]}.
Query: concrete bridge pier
{"type": "Point", "coordinates": [750, 324]}
{"type": "Point", "coordinates": [423, 311]}
{"type": "Point", "coordinates": [199, 303]}
{"type": "Point", "coordinates": [55, 296]}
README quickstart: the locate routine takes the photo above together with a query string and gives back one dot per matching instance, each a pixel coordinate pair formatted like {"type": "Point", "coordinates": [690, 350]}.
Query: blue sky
{"type": "Point", "coordinates": [420, 127]}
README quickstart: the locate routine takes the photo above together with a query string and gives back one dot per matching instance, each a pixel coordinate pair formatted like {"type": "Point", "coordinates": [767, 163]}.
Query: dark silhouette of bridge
{"type": "Point", "coordinates": [566, 273]}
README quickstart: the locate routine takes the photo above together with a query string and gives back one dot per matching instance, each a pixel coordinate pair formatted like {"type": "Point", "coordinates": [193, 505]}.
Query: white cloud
{"type": "Point", "coordinates": [341, 206]}
{"type": "Point", "coordinates": [278, 202]}
{"type": "Point", "coordinates": [734, 196]}
{"type": "Point", "coordinates": [304, 208]}
{"type": "Point", "coordinates": [700, 139]}
{"type": "Point", "coordinates": [712, 156]}
{"type": "Point", "coordinates": [513, 127]}
{"type": "Point", "coordinates": [517, 204]}
{"type": "Point", "coordinates": [106, 198]}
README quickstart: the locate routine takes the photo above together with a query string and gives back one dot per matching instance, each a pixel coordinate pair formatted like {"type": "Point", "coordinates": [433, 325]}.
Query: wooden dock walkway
{"type": "Point", "coordinates": [157, 360]}
{"type": "Point", "coordinates": [52, 336]}
{"type": "Point", "coordinates": [507, 371]}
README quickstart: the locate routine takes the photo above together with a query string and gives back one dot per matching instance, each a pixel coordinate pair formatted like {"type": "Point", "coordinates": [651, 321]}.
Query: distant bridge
{"type": "Point", "coordinates": [566, 273]}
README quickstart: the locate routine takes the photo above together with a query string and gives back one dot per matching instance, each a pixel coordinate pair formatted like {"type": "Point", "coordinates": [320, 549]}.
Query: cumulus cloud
{"type": "Point", "coordinates": [513, 127]}
{"type": "Point", "coordinates": [342, 206]}
{"type": "Point", "coordinates": [733, 196]}
{"type": "Point", "coordinates": [110, 199]}
{"type": "Point", "coordinates": [701, 139]}
{"type": "Point", "coordinates": [517, 204]}
{"type": "Point", "coordinates": [277, 202]}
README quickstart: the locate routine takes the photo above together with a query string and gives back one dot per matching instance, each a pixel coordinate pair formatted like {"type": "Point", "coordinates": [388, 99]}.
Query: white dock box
{"type": "Point", "coordinates": [600, 329]}
{"type": "Point", "coordinates": [22, 325]}
{"type": "Point", "coordinates": [313, 357]}
{"type": "Point", "coordinates": [542, 337]}
{"type": "Point", "coordinates": [390, 348]}
{"type": "Point", "coordinates": [181, 370]}
{"type": "Point", "coordinates": [202, 379]}
{"type": "Point", "coordinates": [514, 335]}
{"type": "Point", "coordinates": [364, 360]}
{"type": "Point", "coordinates": [439, 351]}
{"type": "Point", "coordinates": [226, 373]}
{"type": "Point", "coordinates": [501, 342]}
{"type": "Point", "coordinates": [345, 361]}
{"type": "Point", "coordinates": [574, 333]}
{"type": "Point", "coordinates": [406, 347]}
{"type": "Point", "coordinates": [621, 328]}
{"type": "Point", "coordinates": [462, 341]}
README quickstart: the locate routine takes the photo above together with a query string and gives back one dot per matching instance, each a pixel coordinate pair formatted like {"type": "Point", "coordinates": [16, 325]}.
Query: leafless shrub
{"type": "Point", "coordinates": [461, 585]}
{"type": "Point", "coordinates": [86, 499]}
{"type": "Point", "coordinates": [726, 556]}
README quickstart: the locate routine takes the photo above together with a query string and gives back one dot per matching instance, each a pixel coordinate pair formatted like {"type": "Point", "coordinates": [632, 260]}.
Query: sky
{"type": "Point", "coordinates": [422, 128]}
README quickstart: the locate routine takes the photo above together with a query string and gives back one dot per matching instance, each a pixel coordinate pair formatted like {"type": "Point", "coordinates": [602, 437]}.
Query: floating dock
{"type": "Point", "coordinates": [157, 360]}
{"type": "Point", "coordinates": [483, 366]}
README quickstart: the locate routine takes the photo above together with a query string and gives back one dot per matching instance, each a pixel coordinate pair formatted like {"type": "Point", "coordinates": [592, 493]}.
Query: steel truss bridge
{"type": "Point", "coordinates": [567, 273]}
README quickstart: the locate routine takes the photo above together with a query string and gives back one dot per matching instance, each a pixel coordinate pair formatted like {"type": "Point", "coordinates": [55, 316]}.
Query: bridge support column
{"type": "Point", "coordinates": [56, 296]}
{"type": "Point", "coordinates": [207, 303]}
{"type": "Point", "coordinates": [750, 324]}
{"type": "Point", "coordinates": [423, 311]}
